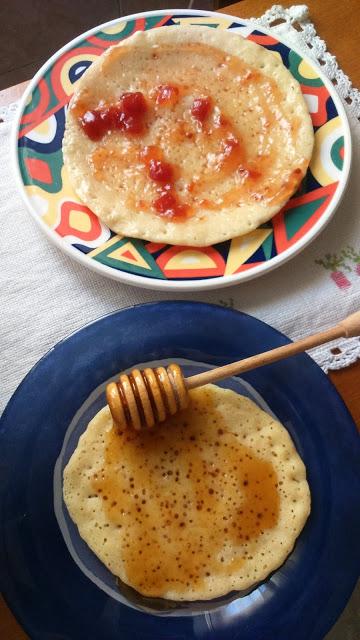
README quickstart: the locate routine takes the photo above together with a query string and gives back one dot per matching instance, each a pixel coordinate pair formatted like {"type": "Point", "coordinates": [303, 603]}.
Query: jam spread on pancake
{"type": "Point", "coordinates": [231, 165]}
{"type": "Point", "coordinates": [126, 115]}
{"type": "Point", "coordinates": [163, 174]}
{"type": "Point", "coordinates": [232, 156]}
{"type": "Point", "coordinates": [194, 513]}
{"type": "Point", "coordinates": [201, 108]}
{"type": "Point", "coordinates": [160, 171]}
{"type": "Point", "coordinates": [168, 205]}
{"type": "Point", "coordinates": [166, 94]}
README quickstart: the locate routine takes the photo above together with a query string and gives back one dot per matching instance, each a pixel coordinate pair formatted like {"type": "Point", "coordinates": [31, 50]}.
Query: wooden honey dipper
{"type": "Point", "coordinates": [143, 398]}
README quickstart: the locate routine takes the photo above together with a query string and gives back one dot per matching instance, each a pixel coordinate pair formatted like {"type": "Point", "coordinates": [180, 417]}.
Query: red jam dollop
{"type": "Point", "coordinates": [134, 104]}
{"type": "Point", "coordinates": [127, 115]}
{"type": "Point", "coordinates": [160, 171]}
{"type": "Point", "coordinates": [166, 94]}
{"type": "Point", "coordinates": [93, 124]}
{"type": "Point", "coordinates": [168, 205]}
{"type": "Point", "coordinates": [201, 108]}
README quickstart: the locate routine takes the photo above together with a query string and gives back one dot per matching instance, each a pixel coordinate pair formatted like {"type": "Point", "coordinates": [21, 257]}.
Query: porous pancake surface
{"type": "Point", "coordinates": [221, 113]}
{"type": "Point", "coordinates": [208, 502]}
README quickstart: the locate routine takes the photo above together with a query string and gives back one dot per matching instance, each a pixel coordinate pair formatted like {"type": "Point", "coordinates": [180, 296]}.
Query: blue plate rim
{"type": "Point", "coordinates": [167, 302]}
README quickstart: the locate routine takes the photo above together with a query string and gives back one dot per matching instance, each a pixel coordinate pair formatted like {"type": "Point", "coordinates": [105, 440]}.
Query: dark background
{"type": "Point", "coordinates": [32, 30]}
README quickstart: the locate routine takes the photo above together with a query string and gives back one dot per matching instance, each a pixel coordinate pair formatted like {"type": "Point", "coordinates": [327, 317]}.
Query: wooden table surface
{"type": "Point", "coordinates": [327, 16]}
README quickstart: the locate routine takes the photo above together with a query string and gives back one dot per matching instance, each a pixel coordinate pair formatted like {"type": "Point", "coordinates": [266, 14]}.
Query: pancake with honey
{"type": "Point", "coordinates": [208, 502]}
{"type": "Point", "coordinates": [187, 136]}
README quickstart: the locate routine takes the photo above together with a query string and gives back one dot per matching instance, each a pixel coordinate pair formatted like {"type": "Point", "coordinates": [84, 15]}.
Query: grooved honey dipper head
{"type": "Point", "coordinates": [143, 398]}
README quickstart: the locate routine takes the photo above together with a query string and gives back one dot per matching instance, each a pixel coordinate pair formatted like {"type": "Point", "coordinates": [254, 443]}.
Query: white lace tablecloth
{"type": "Point", "coordinates": [46, 295]}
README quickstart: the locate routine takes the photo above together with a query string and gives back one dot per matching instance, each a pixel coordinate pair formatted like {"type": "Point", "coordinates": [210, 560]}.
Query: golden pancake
{"type": "Point", "coordinates": [188, 136]}
{"type": "Point", "coordinates": [208, 502]}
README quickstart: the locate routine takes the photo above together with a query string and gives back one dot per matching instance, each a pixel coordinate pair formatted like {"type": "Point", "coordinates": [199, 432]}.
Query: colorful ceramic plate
{"type": "Point", "coordinates": [54, 584]}
{"type": "Point", "coordinates": [44, 183]}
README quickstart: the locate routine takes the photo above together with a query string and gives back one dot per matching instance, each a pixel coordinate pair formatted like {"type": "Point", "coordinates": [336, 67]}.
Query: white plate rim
{"type": "Point", "coordinates": [183, 285]}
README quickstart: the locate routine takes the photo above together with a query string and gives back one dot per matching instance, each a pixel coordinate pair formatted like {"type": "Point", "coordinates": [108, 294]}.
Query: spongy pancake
{"type": "Point", "coordinates": [209, 502]}
{"type": "Point", "coordinates": [253, 95]}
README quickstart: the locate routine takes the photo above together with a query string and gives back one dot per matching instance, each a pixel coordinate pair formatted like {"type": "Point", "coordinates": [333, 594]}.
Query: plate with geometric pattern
{"type": "Point", "coordinates": [48, 195]}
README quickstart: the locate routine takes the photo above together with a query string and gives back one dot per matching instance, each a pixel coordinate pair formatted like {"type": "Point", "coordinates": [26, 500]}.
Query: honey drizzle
{"type": "Point", "coordinates": [189, 499]}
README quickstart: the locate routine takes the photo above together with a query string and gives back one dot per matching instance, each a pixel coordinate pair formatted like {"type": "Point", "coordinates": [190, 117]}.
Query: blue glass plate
{"type": "Point", "coordinates": [53, 583]}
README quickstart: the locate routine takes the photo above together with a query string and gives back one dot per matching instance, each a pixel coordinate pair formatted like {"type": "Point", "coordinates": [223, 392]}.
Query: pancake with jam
{"type": "Point", "coordinates": [208, 502]}
{"type": "Point", "coordinates": [187, 136]}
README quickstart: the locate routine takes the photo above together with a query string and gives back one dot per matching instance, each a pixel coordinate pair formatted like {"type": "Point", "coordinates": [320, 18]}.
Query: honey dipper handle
{"type": "Point", "coordinates": [346, 328]}
{"type": "Point", "coordinates": [351, 325]}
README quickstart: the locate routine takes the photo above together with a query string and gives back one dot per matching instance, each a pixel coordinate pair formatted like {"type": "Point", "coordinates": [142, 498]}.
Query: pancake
{"type": "Point", "coordinates": [215, 145]}
{"type": "Point", "coordinates": [209, 502]}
